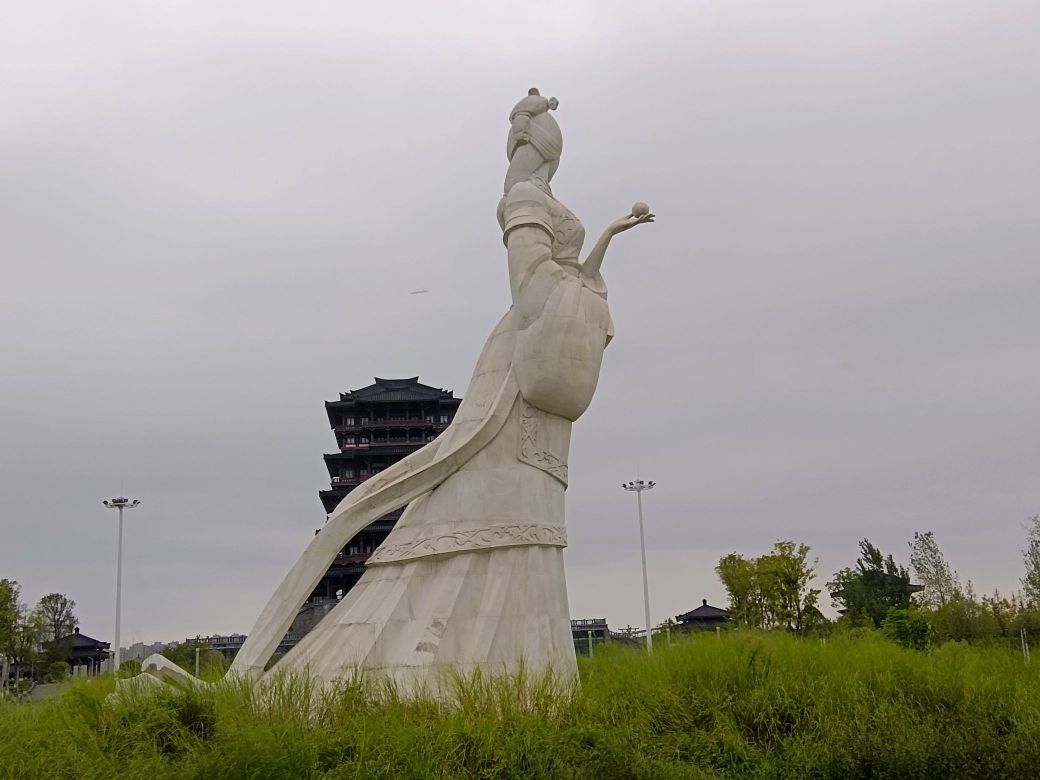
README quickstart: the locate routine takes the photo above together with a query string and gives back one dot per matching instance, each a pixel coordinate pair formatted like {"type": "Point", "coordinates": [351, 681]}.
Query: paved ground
{"type": "Point", "coordinates": [45, 691]}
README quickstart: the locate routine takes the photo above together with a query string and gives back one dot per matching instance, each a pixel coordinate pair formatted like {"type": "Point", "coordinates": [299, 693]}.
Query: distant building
{"type": "Point", "coordinates": [138, 651]}
{"type": "Point", "coordinates": [375, 427]}
{"type": "Point", "coordinates": [84, 654]}
{"type": "Point", "coordinates": [588, 632]}
{"type": "Point", "coordinates": [703, 617]}
{"type": "Point", "coordinates": [228, 644]}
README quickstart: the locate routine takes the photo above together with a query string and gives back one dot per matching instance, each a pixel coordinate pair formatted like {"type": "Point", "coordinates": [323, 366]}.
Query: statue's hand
{"type": "Point", "coordinates": [640, 215]}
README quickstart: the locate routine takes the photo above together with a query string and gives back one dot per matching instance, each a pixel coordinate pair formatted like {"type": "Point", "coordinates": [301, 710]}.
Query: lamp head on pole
{"type": "Point", "coordinates": [121, 503]}
{"type": "Point", "coordinates": [638, 485]}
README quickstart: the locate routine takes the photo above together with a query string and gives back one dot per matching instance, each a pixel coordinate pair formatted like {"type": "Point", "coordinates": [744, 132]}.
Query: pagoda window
{"type": "Point", "coordinates": [429, 418]}
{"type": "Point", "coordinates": [364, 440]}
{"type": "Point", "coordinates": [348, 421]}
{"type": "Point", "coordinates": [348, 473]}
{"type": "Point", "coordinates": [349, 440]}
{"type": "Point", "coordinates": [444, 419]}
{"type": "Point", "coordinates": [364, 472]}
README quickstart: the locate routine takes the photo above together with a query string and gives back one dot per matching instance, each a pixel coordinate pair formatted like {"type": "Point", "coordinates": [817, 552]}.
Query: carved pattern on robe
{"type": "Point", "coordinates": [530, 452]}
{"type": "Point", "coordinates": [471, 540]}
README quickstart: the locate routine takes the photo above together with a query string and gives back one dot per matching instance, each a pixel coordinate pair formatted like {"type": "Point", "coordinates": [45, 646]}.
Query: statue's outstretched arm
{"type": "Point", "coordinates": [594, 260]}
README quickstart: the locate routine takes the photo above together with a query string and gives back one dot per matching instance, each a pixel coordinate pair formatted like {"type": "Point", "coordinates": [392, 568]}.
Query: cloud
{"type": "Point", "coordinates": [211, 216]}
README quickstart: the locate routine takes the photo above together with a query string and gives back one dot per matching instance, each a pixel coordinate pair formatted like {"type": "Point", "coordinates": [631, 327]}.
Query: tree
{"type": "Point", "coordinates": [21, 631]}
{"type": "Point", "coordinates": [965, 619]}
{"type": "Point", "coordinates": [739, 577]}
{"type": "Point", "coordinates": [876, 585]}
{"type": "Point", "coordinates": [939, 581]}
{"type": "Point", "coordinates": [29, 636]}
{"type": "Point", "coordinates": [210, 660]}
{"type": "Point", "coordinates": [9, 617]}
{"type": "Point", "coordinates": [786, 573]}
{"type": "Point", "coordinates": [57, 612]}
{"type": "Point", "coordinates": [1028, 620]}
{"type": "Point", "coordinates": [1002, 612]}
{"type": "Point", "coordinates": [772, 591]}
{"type": "Point", "coordinates": [1031, 556]}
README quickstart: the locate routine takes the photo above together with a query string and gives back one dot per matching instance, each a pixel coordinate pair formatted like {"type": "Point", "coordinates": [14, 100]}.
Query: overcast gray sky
{"type": "Point", "coordinates": [211, 215]}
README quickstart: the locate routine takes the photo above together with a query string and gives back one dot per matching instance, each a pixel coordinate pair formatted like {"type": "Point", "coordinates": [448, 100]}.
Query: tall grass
{"type": "Point", "coordinates": [743, 705]}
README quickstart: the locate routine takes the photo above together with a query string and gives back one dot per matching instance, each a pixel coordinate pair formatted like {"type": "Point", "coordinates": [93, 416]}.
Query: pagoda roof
{"type": "Point", "coordinates": [410, 389]}
{"type": "Point", "coordinates": [704, 612]}
{"type": "Point", "coordinates": [78, 641]}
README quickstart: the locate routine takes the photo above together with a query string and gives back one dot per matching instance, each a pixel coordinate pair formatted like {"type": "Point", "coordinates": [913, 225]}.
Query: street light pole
{"type": "Point", "coordinates": [119, 504]}
{"type": "Point", "coordinates": [638, 486]}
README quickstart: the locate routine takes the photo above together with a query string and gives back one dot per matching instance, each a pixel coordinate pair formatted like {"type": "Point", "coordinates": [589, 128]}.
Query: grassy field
{"type": "Point", "coordinates": [740, 706]}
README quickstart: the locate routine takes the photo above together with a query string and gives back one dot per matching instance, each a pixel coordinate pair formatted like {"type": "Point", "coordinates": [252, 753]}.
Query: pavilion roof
{"type": "Point", "coordinates": [78, 641]}
{"type": "Point", "coordinates": [704, 612]}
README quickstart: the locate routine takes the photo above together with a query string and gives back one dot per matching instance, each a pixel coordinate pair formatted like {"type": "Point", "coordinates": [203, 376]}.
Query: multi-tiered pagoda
{"type": "Point", "coordinates": [375, 427]}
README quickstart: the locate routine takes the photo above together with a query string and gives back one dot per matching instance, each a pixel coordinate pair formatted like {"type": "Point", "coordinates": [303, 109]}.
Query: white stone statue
{"type": "Point", "coordinates": [471, 577]}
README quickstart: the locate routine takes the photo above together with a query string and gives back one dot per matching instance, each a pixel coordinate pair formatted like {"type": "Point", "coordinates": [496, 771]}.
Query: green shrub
{"type": "Point", "coordinates": [964, 619]}
{"type": "Point", "coordinates": [58, 671]}
{"type": "Point", "coordinates": [909, 628]}
{"type": "Point", "coordinates": [1028, 620]}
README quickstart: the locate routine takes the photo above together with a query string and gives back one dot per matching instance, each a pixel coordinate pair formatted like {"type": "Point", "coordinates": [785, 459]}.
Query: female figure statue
{"type": "Point", "coordinates": [472, 577]}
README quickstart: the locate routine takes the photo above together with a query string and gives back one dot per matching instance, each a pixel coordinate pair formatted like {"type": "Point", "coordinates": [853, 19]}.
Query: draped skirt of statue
{"type": "Point", "coordinates": [471, 578]}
